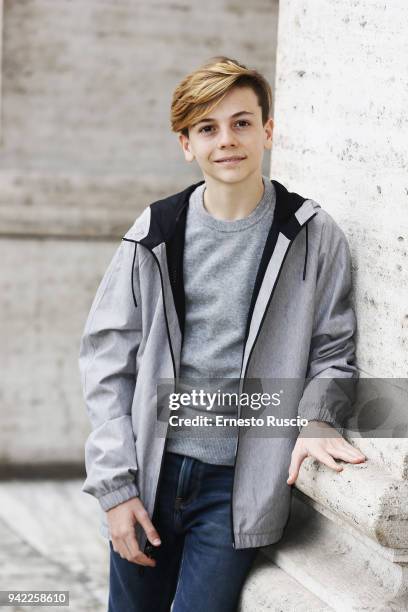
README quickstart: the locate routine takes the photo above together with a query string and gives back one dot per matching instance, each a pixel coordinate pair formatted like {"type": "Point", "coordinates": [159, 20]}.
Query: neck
{"type": "Point", "coordinates": [233, 201]}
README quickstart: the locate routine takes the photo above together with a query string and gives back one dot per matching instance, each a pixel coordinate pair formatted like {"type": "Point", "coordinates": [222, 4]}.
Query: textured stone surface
{"type": "Point", "coordinates": [340, 138]}
{"type": "Point", "coordinates": [267, 587]}
{"type": "Point", "coordinates": [69, 205]}
{"type": "Point", "coordinates": [338, 566]}
{"type": "Point", "coordinates": [86, 145]}
{"type": "Point", "coordinates": [87, 88]}
{"type": "Point", "coordinates": [50, 541]}
{"type": "Point", "coordinates": [47, 287]}
{"type": "Point", "coordinates": [363, 496]}
{"type": "Point", "coordinates": [388, 454]}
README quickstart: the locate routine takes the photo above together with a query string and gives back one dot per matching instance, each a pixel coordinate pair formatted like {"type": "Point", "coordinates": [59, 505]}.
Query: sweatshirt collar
{"type": "Point", "coordinates": [202, 216]}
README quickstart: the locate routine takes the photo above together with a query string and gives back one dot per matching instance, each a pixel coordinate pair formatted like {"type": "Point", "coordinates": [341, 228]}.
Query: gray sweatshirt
{"type": "Point", "coordinates": [221, 259]}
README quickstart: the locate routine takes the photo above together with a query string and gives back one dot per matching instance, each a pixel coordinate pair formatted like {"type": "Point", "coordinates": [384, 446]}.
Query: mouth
{"type": "Point", "coordinates": [235, 159]}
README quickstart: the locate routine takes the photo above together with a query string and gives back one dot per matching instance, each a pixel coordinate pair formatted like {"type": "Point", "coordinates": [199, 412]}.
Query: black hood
{"type": "Point", "coordinates": [168, 223]}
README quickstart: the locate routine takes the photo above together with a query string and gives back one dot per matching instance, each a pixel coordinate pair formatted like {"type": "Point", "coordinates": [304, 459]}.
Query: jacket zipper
{"type": "Point", "coordinates": [246, 370]}
{"type": "Point", "coordinates": [149, 548]}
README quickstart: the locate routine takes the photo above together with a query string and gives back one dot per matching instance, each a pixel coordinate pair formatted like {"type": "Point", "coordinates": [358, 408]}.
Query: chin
{"type": "Point", "coordinates": [230, 175]}
{"type": "Point", "coordinates": [227, 175]}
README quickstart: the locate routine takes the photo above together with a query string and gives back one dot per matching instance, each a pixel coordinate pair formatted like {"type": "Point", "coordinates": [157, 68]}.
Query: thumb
{"type": "Point", "coordinates": [149, 529]}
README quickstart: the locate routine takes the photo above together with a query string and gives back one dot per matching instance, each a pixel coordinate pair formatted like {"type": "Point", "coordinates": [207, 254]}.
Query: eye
{"type": "Point", "coordinates": [206, 129]}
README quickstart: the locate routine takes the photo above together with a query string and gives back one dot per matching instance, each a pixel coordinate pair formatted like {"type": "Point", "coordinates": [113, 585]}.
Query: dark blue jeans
{"type": "Point", "coordinates": [196, 564]}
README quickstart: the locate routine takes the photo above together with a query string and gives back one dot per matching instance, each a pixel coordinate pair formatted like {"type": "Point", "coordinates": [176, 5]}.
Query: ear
{"type": "Point", "coordinates": [268, 127]}
{"type": "Point", "coordinates": [185, 145]}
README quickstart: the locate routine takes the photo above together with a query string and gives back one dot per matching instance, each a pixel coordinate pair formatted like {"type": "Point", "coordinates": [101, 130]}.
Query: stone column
{"type": "Point", "coordinates": [341, 133]}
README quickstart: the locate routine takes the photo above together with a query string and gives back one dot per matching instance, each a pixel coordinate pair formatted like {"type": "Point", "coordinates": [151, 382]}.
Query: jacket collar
{"type": "Point", "coordinates": [167, 225]}
{"type": "Point", "coordinates": [166, 214]}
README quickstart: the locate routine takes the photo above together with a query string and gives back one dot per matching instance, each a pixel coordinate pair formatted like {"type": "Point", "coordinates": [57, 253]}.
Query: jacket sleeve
{"type": "Point", "coordinates": [107, 364]}
{"type": "Point", "coordinates": [332, 373]}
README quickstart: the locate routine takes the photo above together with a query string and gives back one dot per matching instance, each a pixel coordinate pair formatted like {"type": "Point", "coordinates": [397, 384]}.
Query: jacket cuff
{"type": "Point", "coordinates": [114, 498]}
{"type": "Point", "coordinates": [321, 414]}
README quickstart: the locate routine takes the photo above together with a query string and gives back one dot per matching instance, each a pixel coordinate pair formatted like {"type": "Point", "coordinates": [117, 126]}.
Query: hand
{"type": "Point", "coordinates": [122, 519]}
{"type": "Point", "coordinates": [323, 449]}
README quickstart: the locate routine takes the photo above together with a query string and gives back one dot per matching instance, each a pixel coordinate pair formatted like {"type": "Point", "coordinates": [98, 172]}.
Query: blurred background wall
{"type": "Point", "coordinates": [85, 146]}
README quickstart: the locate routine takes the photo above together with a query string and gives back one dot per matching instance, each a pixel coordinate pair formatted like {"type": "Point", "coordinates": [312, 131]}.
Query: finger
{"type": "Point", "coordinates": [135, 555]}
{"type": "Point", "coordinates": [356, 453]}
{"type": "Point", "coordinates": [346, 449]}
{"type": "Point", "coordinates": [297, 458]}
{"type": "Point", "coordinates": [131, 553]}
{"type": "Point", "coordinates": [126, 545]}
{"type": "Point", "coordinates": [151, 533]}
{"type": "Point", "coordinates": [119, 547]}
{"type": "Point", "coordinates": [326, 459]}
{"type": "Point", "coordinates": [346, 455]}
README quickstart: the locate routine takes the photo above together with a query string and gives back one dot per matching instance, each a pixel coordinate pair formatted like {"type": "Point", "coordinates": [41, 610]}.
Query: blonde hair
{"type": "Point", "coordinates": [201, 90]}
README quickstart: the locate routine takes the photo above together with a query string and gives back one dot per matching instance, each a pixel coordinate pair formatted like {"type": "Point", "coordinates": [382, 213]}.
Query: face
{"type": "Point", "coordinates": [232, 130]}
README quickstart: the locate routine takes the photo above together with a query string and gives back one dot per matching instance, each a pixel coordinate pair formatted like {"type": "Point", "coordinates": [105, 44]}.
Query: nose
{"type": "Point", "coordinates": [227, 138]}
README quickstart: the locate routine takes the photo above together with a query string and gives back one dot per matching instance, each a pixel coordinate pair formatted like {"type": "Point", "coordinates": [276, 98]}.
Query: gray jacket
{"type": "Point", "coordinates": [300, 330]}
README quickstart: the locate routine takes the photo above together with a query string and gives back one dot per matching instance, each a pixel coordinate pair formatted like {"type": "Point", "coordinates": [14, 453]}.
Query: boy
{"type": "Point", "coordinates": [232, 278]}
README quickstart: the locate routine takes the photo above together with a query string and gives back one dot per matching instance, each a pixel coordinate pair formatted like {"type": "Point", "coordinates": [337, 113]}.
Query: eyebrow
{"type": "Point", "coordinates": [238, 114]}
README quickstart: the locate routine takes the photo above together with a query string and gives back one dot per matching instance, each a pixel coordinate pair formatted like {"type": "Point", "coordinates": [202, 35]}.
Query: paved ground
{"type": "Point", "coordinates": [50, 540]}
{"type": "Point", "coordinates": [49, 534]}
